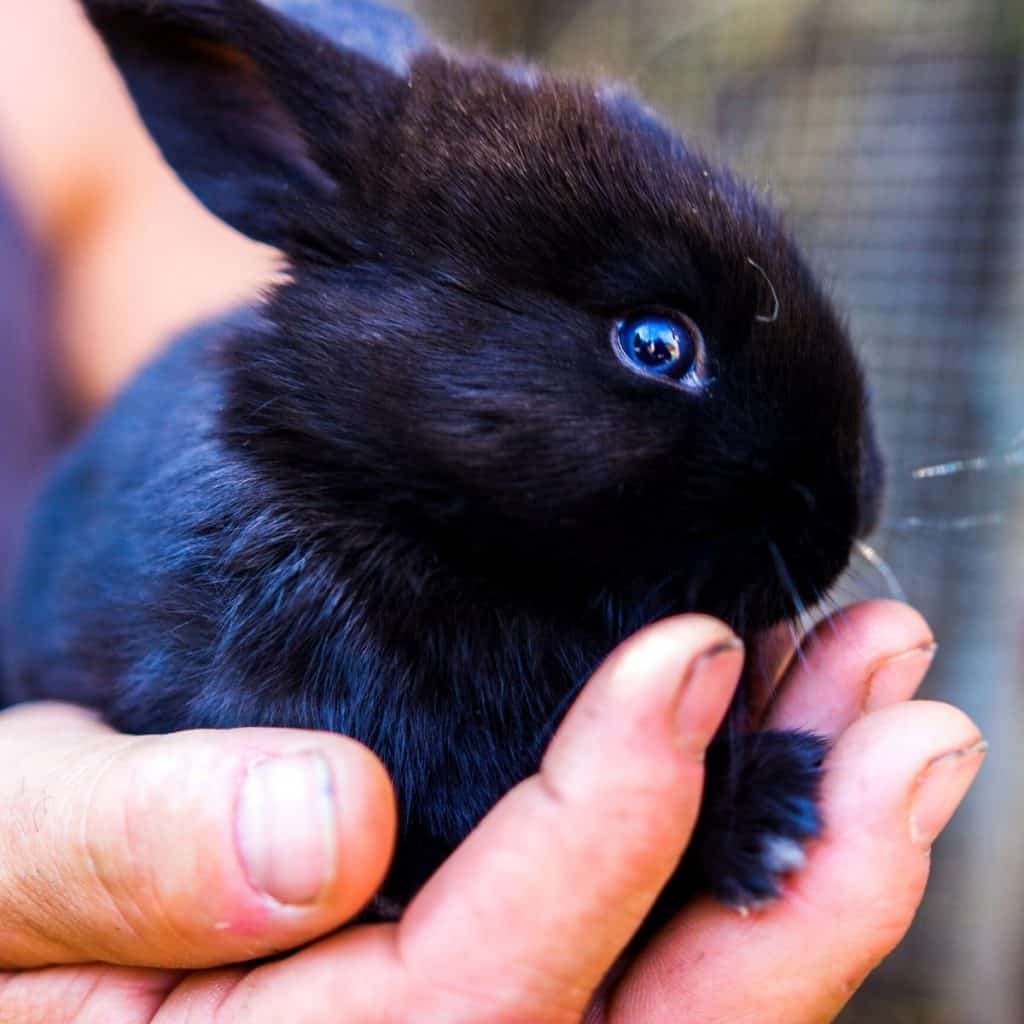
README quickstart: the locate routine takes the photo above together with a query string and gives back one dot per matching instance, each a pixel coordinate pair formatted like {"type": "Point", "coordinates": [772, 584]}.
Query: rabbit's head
{"type": "Point", "coordinates": [527, 327]}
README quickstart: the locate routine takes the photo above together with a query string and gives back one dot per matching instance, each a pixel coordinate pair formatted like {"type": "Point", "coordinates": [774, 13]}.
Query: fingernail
{"type": "Point", "coordinates": [939, 790]}
{"type": "Point", "coordinates": [705, 693]}
{"type": "Point", "coordinates": [286, 828]}
{"type": "Point", "coordinates": [896, 678]}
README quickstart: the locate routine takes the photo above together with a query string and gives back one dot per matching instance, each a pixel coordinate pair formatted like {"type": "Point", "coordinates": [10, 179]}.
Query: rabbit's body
{"type": "Point", "coordinates": [424, 490]}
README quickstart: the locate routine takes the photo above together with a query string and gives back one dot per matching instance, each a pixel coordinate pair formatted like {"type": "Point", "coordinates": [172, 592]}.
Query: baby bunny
{"type": "Point", "coordinates": [540, 375]}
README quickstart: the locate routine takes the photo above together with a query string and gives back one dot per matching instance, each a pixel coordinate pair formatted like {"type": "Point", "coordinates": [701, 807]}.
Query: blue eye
{"type": "Point", "coordinates": [658, 344]}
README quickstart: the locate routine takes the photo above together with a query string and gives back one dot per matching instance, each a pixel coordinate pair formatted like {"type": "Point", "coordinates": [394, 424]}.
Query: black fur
{"type": "Point", "coordinates": [415, 497]}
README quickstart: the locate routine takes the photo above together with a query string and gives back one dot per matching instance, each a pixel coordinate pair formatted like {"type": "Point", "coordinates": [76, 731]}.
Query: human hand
{"type": "Point", "coordinates": [124, 850]}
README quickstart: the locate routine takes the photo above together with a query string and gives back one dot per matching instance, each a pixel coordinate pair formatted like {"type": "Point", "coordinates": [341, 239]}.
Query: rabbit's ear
{"type": "Point", "coordinates": [261, 116]}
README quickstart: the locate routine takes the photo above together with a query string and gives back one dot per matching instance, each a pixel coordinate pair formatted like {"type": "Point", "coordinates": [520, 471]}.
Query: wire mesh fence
{"type": "Point", "coordinates": [892, 136]}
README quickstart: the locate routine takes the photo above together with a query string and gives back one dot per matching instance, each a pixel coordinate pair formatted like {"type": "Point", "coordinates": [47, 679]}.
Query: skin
{"type": "Point", "coordinates": [136, 258]}
{"type": "Point", "coordinates": [529, 915]}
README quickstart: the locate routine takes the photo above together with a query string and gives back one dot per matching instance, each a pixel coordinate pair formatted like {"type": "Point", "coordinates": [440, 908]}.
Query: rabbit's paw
{"type": "Point", "coordinates": [760, 807]}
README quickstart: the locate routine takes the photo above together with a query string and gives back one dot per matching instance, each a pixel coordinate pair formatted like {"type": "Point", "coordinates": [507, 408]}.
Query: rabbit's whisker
{"type": "Point", "coordinates": [1011, 458]}
{"type": "Point", "coordinates": [774, 315]}
{"type": "Point", "coordinates": [799, 608]}
{"type": "Point", "coordinates": [786, 579]}
{"type": "Point", "coordinates": [975, 522]}
{"type": "Point", "coordinates": [838, 623]}
{"type": "Point", "coordinates": [882, 567]}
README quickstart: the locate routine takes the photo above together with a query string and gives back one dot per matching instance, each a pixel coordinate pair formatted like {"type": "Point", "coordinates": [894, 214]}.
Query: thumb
{"type": "Point", "coordinates": [188, 850]}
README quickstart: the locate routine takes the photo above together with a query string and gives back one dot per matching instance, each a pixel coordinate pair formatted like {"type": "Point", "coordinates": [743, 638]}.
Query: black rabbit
{"type": "Point", "coordinates": [541, 375]}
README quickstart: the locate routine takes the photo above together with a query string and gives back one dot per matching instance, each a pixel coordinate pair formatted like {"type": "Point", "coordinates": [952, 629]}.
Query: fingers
{"type": "Point", "coordinates": [858, 660]}
{"type": "Point", "coordinates": [525, 918]}
{"type": "Point", "coordinates": [576, 855]}
{"type": "Point", "coordinates": [180, 851]}
{"type": "Point", "coordinates": [84, 995]}
{"type": "Point", "coordinates": [894, 779]}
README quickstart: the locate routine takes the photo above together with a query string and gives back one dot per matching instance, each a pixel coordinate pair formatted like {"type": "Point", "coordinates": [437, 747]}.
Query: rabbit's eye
{"type": "Point", "coordinates": [660, 344]}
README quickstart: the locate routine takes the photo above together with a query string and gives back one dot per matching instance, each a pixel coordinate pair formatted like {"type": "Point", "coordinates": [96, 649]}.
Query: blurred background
{"type": "Point", "coordinates": [890, 134]}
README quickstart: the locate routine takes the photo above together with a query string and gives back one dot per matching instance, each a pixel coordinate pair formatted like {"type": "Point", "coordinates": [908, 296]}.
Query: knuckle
{"type": "Point", "coordinates": [119, 837]}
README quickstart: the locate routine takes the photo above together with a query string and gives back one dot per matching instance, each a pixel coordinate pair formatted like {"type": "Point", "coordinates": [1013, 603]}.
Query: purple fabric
{"type": "Point", "coordinates": [30, 423]}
